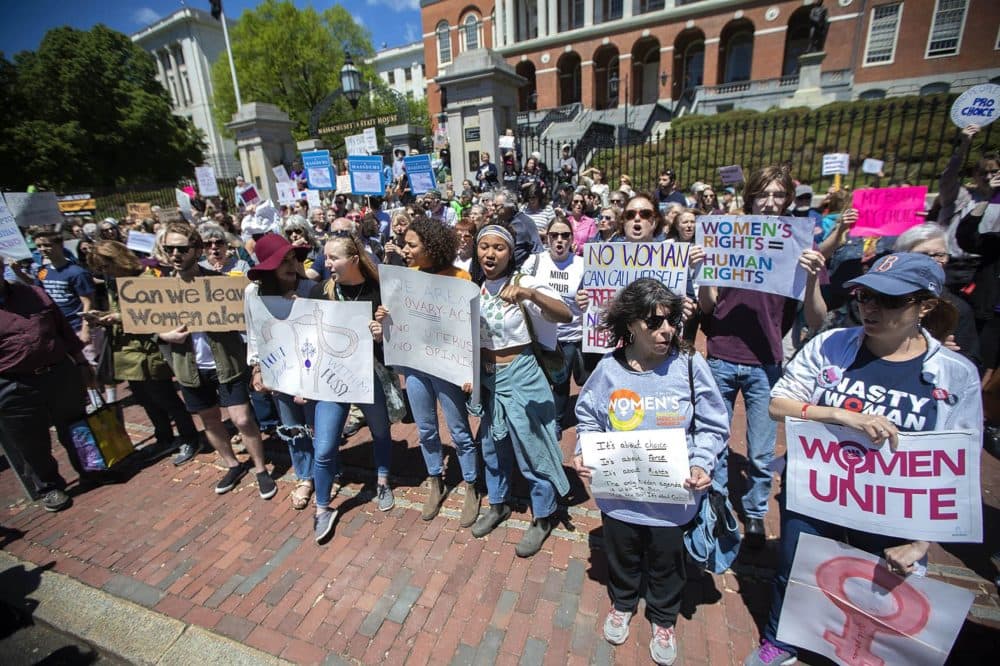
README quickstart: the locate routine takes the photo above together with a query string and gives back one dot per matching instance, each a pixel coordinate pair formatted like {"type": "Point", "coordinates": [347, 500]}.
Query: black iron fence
{"type": "Point", "coordinates": [113, 202]}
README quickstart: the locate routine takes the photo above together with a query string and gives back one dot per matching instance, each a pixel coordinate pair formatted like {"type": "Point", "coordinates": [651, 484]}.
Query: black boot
{"type": "Point", "coordinates": [496, 514]}
{"type": "Point", "coordinates": [533, 539]}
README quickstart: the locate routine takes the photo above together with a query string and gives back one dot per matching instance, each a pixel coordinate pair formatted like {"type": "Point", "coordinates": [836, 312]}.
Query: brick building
{"type": "Point", "coordinates": [714, 55]}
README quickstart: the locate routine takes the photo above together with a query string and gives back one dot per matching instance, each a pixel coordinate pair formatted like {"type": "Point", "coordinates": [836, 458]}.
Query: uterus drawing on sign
{"type": "Point", "coordinates": [314, 342]}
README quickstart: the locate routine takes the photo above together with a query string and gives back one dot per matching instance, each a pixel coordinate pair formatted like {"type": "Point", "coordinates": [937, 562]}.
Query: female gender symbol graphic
{"type": "Point", "coordinates": [853, 644]}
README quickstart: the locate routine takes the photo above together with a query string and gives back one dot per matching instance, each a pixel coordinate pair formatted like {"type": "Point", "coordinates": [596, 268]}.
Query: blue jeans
{"type": "Point", "coordinates": [263, 409]}
{"type": "Point", "coordinates": [424, 393]}
{"type": "Point", "coordinates": [330, 419]}
{"type": "Point", "coordinates": [297, 419]}
{"type": "Point", "coordinates": [755, 382]}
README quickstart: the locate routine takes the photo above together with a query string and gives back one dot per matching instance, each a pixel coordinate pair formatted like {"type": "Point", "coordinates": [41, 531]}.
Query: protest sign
{"type": "Point", "coordinates": [643, 465]}
{"type": "Point", "coordinates": [888, 211]}
{"type": "Point", "coordinates": [154, 305]}
{"type": "Point", "coordinates": [77, 205]}
{"type": "Point", "coordinates": [610, 267]}
{"type": "Point", "coordinates": [872, 166]}
{"type": "Point", "coordinates": [356, 144]}
{"type": "Point", "coordinates": [755, 252]}
{"type": "Point", "coordinates": [288, 192]}
{"type": "Point", "coordinates": [183, 204]}
{"type": "Point", "coordinates": [371, 140]}
{"type": "Point", "coordinates": [976, 106]}
{"type": "Point", "coordinates": [313, 198]}
{"type": "Point", "coordinates": [250, 195]}
{"type": "Point", "coordinates": [366, 174]}
{"type": "Point", "coordinates": [319, 170]}
{"type": "Point", "coordinates": [420, 173]}
{"type": "Point", "coordinates": [836, 163]}
{"type": "Point", "coordinates": [928, 488]}
{"type": "Point", "coordinates": [317, 349]}
{"type": "Point", "coordinates": [846, 604]}
{"type": "Point", "coordinates": [506, 143]}
{"type": "Point", "coordinates": [139, 211]}
{"type": "Point", "coordinates": [433, 324]}
{"type": "Point", "coordinates": [34, 208]}
{"type": "Point", "coordinates": [140, 241]}
{"type": "Point", "coordinates": [12, 243]}
{"type": "Point", "coordinates": [207, 185]}
{"type": "Point", "coordinates": [731, 175]}
{"type": "Point", "coordinates": [281, 174]}
{"type": "Point", "coordinates": [344, 183]}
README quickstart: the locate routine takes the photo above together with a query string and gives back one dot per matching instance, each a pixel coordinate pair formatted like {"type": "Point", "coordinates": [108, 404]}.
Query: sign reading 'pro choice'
{"type": "Point", "coordinates": [155, 305]}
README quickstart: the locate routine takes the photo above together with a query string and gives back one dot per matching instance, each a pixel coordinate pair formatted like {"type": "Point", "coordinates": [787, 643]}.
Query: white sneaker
{"type": "Point", "coordinates": [616, 626]}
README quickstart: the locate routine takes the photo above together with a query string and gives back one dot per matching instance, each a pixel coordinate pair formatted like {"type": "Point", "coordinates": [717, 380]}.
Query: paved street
{"type": "Point", "coordinates": [390, 588]}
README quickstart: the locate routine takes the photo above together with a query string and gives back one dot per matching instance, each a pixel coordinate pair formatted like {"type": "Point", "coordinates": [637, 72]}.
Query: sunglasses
{"type": "Point", "coordinates": [883, 301]}
{"type": "Point", "coordinates": [170, 249]}
{"type": "Point", "coordinates": [577, 201]}
{"type": "Point", "coordinates": [617, 202]}
{"type": "Point", "coordinates": [560, 235]}
{"type": "Point", "coordinates": [654, 322]}
{"type": "Point", "coordinates": [222, 243]}
{"type": "Point", "coordinates": [644, 213]}
{"type": "Point", "coordinates": [341, 233]}
{"type": "Point", "coordinates": [608, 218]}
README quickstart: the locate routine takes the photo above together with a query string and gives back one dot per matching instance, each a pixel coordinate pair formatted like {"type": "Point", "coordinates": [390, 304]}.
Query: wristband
{"type": "Point", "coordinates": [805, 407]}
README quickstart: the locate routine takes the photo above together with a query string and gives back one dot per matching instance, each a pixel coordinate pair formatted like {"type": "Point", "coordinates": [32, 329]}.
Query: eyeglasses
{"type": "Point", "coordinates": [776, 196]}
{"type": "Point", "coordinates": [654, 322]}
{"type": "Point", "coordinates": [644, 213]}
{"type": "Point", "coordinates": [884, 301]}
{"type": "Point", "coordinates": [577, 201]}
{"type": "Point", "coordinates": [608, 218]}
{"type": "Point", "coordinates": [560, 235]}
{"type": "Point", "coordinates": [170, 249]}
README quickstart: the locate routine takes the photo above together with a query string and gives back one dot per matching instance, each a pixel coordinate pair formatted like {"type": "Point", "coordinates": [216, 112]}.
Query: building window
{"type": "Point", "coordinates": [872, 93]}
{"type": "Point", "coordinates": [936, 88]}
{"type": "Point", "coordinates": [611, 10]}
{"type": "Point", "coordinates": [444, 43]}
{"type": "Point", "coordinates": [408, 74]}
{"type": "Point", "coordinates": [392, 78]}
{"type": "Point", "coordinates": [739, 56]}
{"type": "Point", "coordinates": [470, 32]}
{"type": "Point", "coordinates": [646, 6]}
{"type": "Point", "coordinates": [882, 33]}
{"type": "Point", "coordinates": [946, 29]}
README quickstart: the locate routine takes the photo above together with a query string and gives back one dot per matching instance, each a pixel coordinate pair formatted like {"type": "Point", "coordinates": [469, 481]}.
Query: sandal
{"type": "Point", "coordinates": [300, 496]}
{"type": "Point", "coordinates": [338, 484]}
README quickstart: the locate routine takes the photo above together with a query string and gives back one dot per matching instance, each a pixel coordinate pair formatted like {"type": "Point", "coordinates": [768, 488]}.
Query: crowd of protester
{"type": "Point", "coordinates": [925, 303]}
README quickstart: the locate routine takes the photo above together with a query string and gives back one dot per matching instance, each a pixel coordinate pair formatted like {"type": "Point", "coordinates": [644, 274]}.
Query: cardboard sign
{"type": "Point", "coordinates": [641, 465]}
{"type": "Point", "coordinates": [371, 140]}
{"type": "Point", "coordinates": [317, 349]}
{"type": "Point", "coordinates": [731, 175]}
{"type": "Point", "coordinates": [356, 145]}
{"type": "Point", "coordinates": [139, 211]}
{"type": "Point", "coordinates": [207, 185]}
{"type": "Point", "coordinates": [34, 208]}
{"type": "Point", "coordinates": [888, 211]}
{"type": "Point", "coordinates": [139, 241]}
{"type": "Point", "coordinates": [872, 166]}
{"type": "Point", "coordinates": [846, 604]}
{"type": "Point", "coordinates": [183, 204]}
{"type": "Point", "coordinates": [155, 305]}
{"type": "Point", "coordinates": [757, 252]}
{"type": "Point", "coordinates": [288, 192]}
{"type": "Point", "coordinates": [928, 489]}
{"type": "Point", "coordinates": [344, 184]}
{"type": "Point", "coordinates": [977, 106]}
{"type": "Point", "coordinates": [250, 195]}
{"type": "Point", "coordinates": [836, 163]}
{"type": "Point", "coordinates": [12, 243]}
{"type": "Point", "coordinates": [319, 170]}
{"type": "Point", "coordinates": [433, 324]}
{"type": "Point", "coordinates": [610, 267]}
{"type": "Point", "coordinates": [421, 174]}
{"type": "Point", "coordinates": [366, 174]}
{"type": "Point", "coordinates": [506, 143]}
{"type": "Point", "coordinates": [77, 205]}
{"type": "Point", "coordinates": [281, 174]}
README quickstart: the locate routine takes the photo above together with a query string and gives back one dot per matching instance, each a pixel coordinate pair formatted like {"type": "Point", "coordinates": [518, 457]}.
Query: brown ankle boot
{"type": "Point", "coordinates": [470, 508]}
{"type": "Point", "coordinates": [435, 496]}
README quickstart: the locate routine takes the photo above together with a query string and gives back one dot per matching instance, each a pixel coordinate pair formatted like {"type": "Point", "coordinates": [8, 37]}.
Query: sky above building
{"type": "Point", "coordinates": [392, 22]}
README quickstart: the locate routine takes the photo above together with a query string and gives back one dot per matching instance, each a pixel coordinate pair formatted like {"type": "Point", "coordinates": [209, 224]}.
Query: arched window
{"type": "Point", "coordinates": [872, 93]}
{"type": "Point", "coordinates": [739, 56]}
{"type": "Point", "coordinates": [936, 88]}
{"type": "Point", "coordinates": [444, 43]}
{"type": "Point", "coordinates": [470, 32]}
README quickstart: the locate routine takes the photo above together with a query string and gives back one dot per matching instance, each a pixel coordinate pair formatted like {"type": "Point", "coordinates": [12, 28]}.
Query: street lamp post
{"type": "Point", "coordinates": [350, 80]}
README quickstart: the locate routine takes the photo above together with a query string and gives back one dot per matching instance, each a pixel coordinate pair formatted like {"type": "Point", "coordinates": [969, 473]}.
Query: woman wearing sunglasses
{"type": "Point", "coordinates": [644, 541]}
{"type": "Point", "coordinates": [903, 372]}
{"type": "Point", "coordinates": [583, 226]}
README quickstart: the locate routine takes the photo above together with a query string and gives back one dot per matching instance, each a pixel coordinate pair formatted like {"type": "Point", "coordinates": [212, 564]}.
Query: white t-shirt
{"type": "Point", "coordinates": [565, 278]}
{"type": "Point", "coordinates": [202, 352]}
{"type": "Point", "coordinates": [501, 324]}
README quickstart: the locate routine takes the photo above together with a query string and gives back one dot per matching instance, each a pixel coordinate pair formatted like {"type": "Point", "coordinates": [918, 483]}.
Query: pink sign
{"type": "Point", "coordinates": [888, 211]}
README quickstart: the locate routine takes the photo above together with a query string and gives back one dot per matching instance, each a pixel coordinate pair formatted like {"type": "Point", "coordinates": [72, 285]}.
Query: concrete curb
{"type": "Point", "coordinates": [128, 630]}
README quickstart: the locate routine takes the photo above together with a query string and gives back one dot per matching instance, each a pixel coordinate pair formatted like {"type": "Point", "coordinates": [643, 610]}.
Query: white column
{"type": "Point", "coordinates": [543, 18]}
{"type": "Point", "coordinates": [509, 36]}
{"type": "Point", "coordinates": [499, 23]}
{"type": "Point", "coordinates": [588, 13]}
{"type": "Point", "coordinates": [627, 8]}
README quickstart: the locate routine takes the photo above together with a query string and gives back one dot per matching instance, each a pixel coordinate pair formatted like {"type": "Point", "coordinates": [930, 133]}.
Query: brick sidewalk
{"type": "Point", "coordinates": [391, 588]}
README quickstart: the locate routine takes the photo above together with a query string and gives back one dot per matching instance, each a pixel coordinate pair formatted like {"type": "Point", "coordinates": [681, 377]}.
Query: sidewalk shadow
{"type": "Point", "coordinates": [976, 556]}
{"type": "Point", "coordinates": [17, 609]}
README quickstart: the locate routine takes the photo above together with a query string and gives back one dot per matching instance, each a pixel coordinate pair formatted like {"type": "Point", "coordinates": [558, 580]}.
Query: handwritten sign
{"type": "Point", "coordinates": [356, 144]}
{"type": "Point", "coordinates": [141, 242]}
{"type": "Point", "coordinates": [288, 192]}
{"type": "Point", "coordinates": [250, 195]}
{"type": "Point", "coordinates": [207, 185]}
{"type": "Point", "coordinates": [755, 252]}
{"type": "Point", "coordinates": [139, 211]}
{"type": "Point", "coordinates": [183, 204]}
{"type": "Point", "coordinates": [928, 488]}
{"type": "Point", "coordinates": [836, 163]}
{"type": "Point", "coordinates": [371, 140]}
{"type": "Point", "coordinates": [366, 174]}
{"type": "Point", "coordinates": [281, 174]}
{"type": "Point", "coordinates": [418, 168]}
{"type": "Point", "coordinates": [154, 305]}
{"type": "Point", "coordinates": [731, 175]}
{"type": "Point", "coordinates": [506, 143]}
{"type": "Point", "coordinates": [12, 244]}
{"type": "Point", "coordinates": [977, 106]}
{"type": "Point", "coordinates": [872, 166]}
{"type": "Point", "coordinates": [320, 350]}
{"type": "Point", "coordinates": [644, 465]}
{"type": "Point", "coordinates": [34, 208]}
{"type": "Point", "coordinates": [344, 183]}
{"type": "Point", "coordinates": [610, 267]}
{"type": "Point", "coordinates": [888, 211]}
{"type": "Point", "coordinates": [433, 324]}
{"type": "Point", "coordinates": [312, 198]}
{"type": "Point", "coordinates": [846, 604]}
{"type": "Point", "coordinates": [319, 170]}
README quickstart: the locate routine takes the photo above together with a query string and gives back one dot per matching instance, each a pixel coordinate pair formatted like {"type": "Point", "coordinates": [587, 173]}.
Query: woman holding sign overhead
{"type": "Point", "coordinates": [907, 381]}
{"type": "Point", "coordinates": [652, 380]}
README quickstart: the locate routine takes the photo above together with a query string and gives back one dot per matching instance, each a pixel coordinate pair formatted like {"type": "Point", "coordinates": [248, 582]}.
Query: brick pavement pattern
{"type": "Point", "coordinates": [390, 588]}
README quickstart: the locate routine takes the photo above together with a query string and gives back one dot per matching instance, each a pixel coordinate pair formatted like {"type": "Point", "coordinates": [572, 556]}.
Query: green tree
{"type": "Point", "coordinates": [86, 110]}
{"type": "Point", "coordinates": [289, 57]}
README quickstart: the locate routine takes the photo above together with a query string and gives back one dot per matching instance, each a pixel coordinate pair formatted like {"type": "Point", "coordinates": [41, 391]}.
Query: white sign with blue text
{"type": "Point", "coordinates": [420, 173]}
{"type": "Point", "coordinates": [366, 174]}
{"type": "Point", "coordinates": [319, 170]}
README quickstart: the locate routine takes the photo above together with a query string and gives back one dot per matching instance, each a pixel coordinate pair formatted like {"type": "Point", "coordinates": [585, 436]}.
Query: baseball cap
{"type": "Point", "coordinates": [902, 273]}
{"type": "Point", "coordinates": [803, 190]}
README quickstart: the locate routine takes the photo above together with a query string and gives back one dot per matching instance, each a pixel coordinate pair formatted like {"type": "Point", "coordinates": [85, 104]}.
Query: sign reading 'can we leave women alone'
{"type": "Point", "coordinates": [154, 305]}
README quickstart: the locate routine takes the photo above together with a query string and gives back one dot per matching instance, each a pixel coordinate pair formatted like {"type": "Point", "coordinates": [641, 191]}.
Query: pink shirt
{"type": "Point", "coordinates": [583, 230]}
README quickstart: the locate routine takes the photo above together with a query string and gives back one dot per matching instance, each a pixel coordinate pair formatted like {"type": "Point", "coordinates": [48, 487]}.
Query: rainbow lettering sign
{"type": "Point", "coordinates": [888, 211]}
